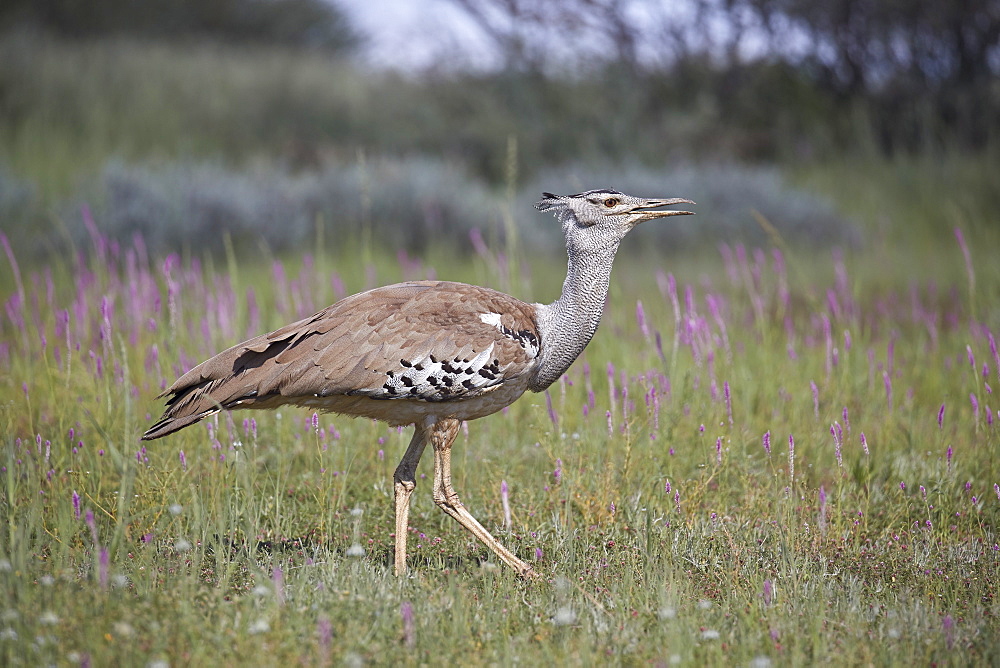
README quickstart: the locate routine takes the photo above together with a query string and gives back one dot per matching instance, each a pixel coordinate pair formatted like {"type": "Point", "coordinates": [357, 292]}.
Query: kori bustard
{"type": "Point", "coordinates": [427, 353]}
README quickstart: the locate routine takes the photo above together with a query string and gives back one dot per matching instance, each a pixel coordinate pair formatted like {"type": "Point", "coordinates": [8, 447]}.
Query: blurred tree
{"type": "Point", "coordinates": [300, 23]}
{"type": "Point", "coordinates": [921, 67]}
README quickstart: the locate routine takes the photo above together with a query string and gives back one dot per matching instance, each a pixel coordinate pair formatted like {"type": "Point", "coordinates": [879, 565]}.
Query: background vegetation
{"type": "Point", "coordinates": [781, 448]}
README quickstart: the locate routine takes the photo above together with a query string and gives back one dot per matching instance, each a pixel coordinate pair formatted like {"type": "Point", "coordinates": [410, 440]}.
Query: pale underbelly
{"type": "Point", "coordinates": [398, 412]}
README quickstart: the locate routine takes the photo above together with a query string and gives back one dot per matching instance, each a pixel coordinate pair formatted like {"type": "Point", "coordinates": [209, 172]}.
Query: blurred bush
{"type": "Point", "coordinates": [405, 203]}
{"type": "Point", "coordinates": [414, 202]}
{"type": "Point", "coordinates": [729, 197]}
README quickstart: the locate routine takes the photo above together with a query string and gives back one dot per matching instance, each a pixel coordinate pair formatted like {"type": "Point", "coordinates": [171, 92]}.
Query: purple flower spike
{"type": "Point", "coordinates": [975, 405]}
{"type": "Point", "coordinates": [552, 411]}
{"type": "Point", "coordinates": [89, 519]}
{"type": "Point", "coordinates": [76, 505]}
{"type": "Point", "coordinates": [557, 473]}
{"type": "Point", "coordinates": [718, 450]}
{"type": "Point", "coordinates": [409, 627]}
{"type": "Point", "coordinates": [278, 579]}
{"type": "Point", "coordinates": [768, 592]}
{"type": "Point", "coordinates": [767, 443]}
{"type": "Point", "coordinates": [104, 561]}
{"type": "Point", "coordinates": [864, 443]}
{"type": "Point", "coordinates": [324, 629]}
{"type": "Point", "coordinates": [822, 508]}
{"type": "Point", "coordinates": [183, 459]}
{"type": "Point", "coordinates": [640, 317]}
{"type": "Point", "coordinates": [941, 417]}
{"type": "Point", "coordinates": [949, 454]}
{"type": "Point", "coordinates": [666, 488]}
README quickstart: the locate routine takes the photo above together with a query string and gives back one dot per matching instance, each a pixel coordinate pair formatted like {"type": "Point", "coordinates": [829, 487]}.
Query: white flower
{"type": "Point", "coordinates": [564, 616]}
{"type": "Point", "coordinates": [48, 618]}
{"type": "Point", "coordinates": [709, 634]}
{"type": "Point", "coordinates": [259, 626]}
{"type": "Point", "coordinates": [667, 613]}
{"type": "Point", "coordinates": [176, 509]}
{"type": "Point", "coordinates": [182, 545]}
{"type": "Point", "coordinates": [355, 551]}
{"type": "Point", "coordinates": [123, 629]}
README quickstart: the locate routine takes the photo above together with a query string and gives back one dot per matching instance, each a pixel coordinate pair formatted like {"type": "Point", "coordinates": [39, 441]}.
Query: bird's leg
{"type": "Point", "coordinates": [404, 483]}
{"type": "Point", "coordinates": [442, 436]}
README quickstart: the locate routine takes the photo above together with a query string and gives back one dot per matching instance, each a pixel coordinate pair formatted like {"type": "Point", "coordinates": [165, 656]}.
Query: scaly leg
{"type": "Point", "coordinates": [442, 436]}
{"type": "Point", "coordinates": [404, 483]}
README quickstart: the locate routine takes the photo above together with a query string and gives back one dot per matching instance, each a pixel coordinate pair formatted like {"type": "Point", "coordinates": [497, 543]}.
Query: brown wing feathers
{"type": "Point", "coordinates": [401, 341]}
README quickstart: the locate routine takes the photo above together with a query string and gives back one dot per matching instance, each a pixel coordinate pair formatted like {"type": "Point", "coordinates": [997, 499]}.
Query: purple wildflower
{"type": "Point", "coordinates": [975, 405]}
{"type": "Point", "coordinates": [864, 443]}
{"type": "Point", "coordinates": [278, 580]}
{"type": "Point", "coordinates": [76, 505]}
{"type": "Point", "coordinates": [538, 554]}
{"type": "Point", "coordinates": [948, 455]}
{"type": "Point", "coordinates": [104, 560]}
{"type": "Point", "coordinates": [183, 459]}
{"type": "Point", "coordinates": [838, 436]}
{"type": "Point", "coordinates": [677, 500]}
{"type": "Point", "coordinates": [718, 450]}
{"type": "Point", "coordinates": [325, 632]}
{"type": "Point", "coordinates": [887, 381]}
{"type": "Point", "coordinates": [557, 473]}
{"type": "Point", "coordinates": [767, 443]}
{"type": "Point", "coordinates": [666, 488]}
{"type": "Point", "coordinates": [640, 317]}
{"type": "Point", "coordinates": [822, 508]}
{"type": "Point", "coordinates": [768, 594]}
{"type": "Point", "coordinates": [89, 519]}
{"type": "Point", "coordinates": [552, 411]}
{"type": "Point", "coordinates": [941, 417]}
{"type": "Point", "coordinates": [409, 628]}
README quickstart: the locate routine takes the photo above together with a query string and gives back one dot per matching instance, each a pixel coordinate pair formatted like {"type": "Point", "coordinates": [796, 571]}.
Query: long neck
{"type": "Point", "coordinates": [568, 324]}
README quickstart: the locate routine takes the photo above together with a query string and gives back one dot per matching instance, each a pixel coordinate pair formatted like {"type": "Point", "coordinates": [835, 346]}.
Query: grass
{"type": "Point", "coordinates": [667, 531]}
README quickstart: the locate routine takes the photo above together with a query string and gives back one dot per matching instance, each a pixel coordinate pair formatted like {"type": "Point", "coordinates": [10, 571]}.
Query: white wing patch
{"type": "Point", "coordinates": [525, 338]}
{"type": "Point", "coordinates": [491, 319]}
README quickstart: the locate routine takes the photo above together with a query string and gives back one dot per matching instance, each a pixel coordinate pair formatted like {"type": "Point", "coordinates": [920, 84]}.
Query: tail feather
{"type": "Point", "coordinates": [184, 408]}
{"type": "Point", "coordinates": [168, 425]}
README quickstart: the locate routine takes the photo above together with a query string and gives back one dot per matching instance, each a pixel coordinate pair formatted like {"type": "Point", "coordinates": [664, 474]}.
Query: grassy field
{"type": "Point", "coordinates": [766, 457]}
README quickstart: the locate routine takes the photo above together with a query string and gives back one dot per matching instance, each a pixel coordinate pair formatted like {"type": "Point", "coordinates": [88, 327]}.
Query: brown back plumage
{"type": "Point", "coordinates": [425, 341]}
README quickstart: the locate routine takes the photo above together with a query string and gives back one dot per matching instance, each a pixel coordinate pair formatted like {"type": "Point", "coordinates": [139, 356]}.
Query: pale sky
{"type": "Point", "coordinates": [415, 34]}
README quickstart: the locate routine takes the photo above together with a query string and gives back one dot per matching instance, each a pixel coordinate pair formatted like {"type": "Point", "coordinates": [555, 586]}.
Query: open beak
{"type": "Point", "coordinates": [639, 214]}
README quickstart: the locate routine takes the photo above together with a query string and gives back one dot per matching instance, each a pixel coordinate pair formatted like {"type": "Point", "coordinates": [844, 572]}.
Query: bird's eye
{"type": "Point", "coordinates": [611, 201]}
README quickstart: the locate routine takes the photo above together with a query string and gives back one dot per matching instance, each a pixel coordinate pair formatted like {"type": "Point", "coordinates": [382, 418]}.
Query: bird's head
{"type": "Point", "coordinates": [597, 217]}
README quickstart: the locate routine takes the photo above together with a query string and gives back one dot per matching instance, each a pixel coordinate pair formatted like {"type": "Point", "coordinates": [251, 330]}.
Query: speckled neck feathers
{"type": "Point", "coordinates": [568, 324]}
